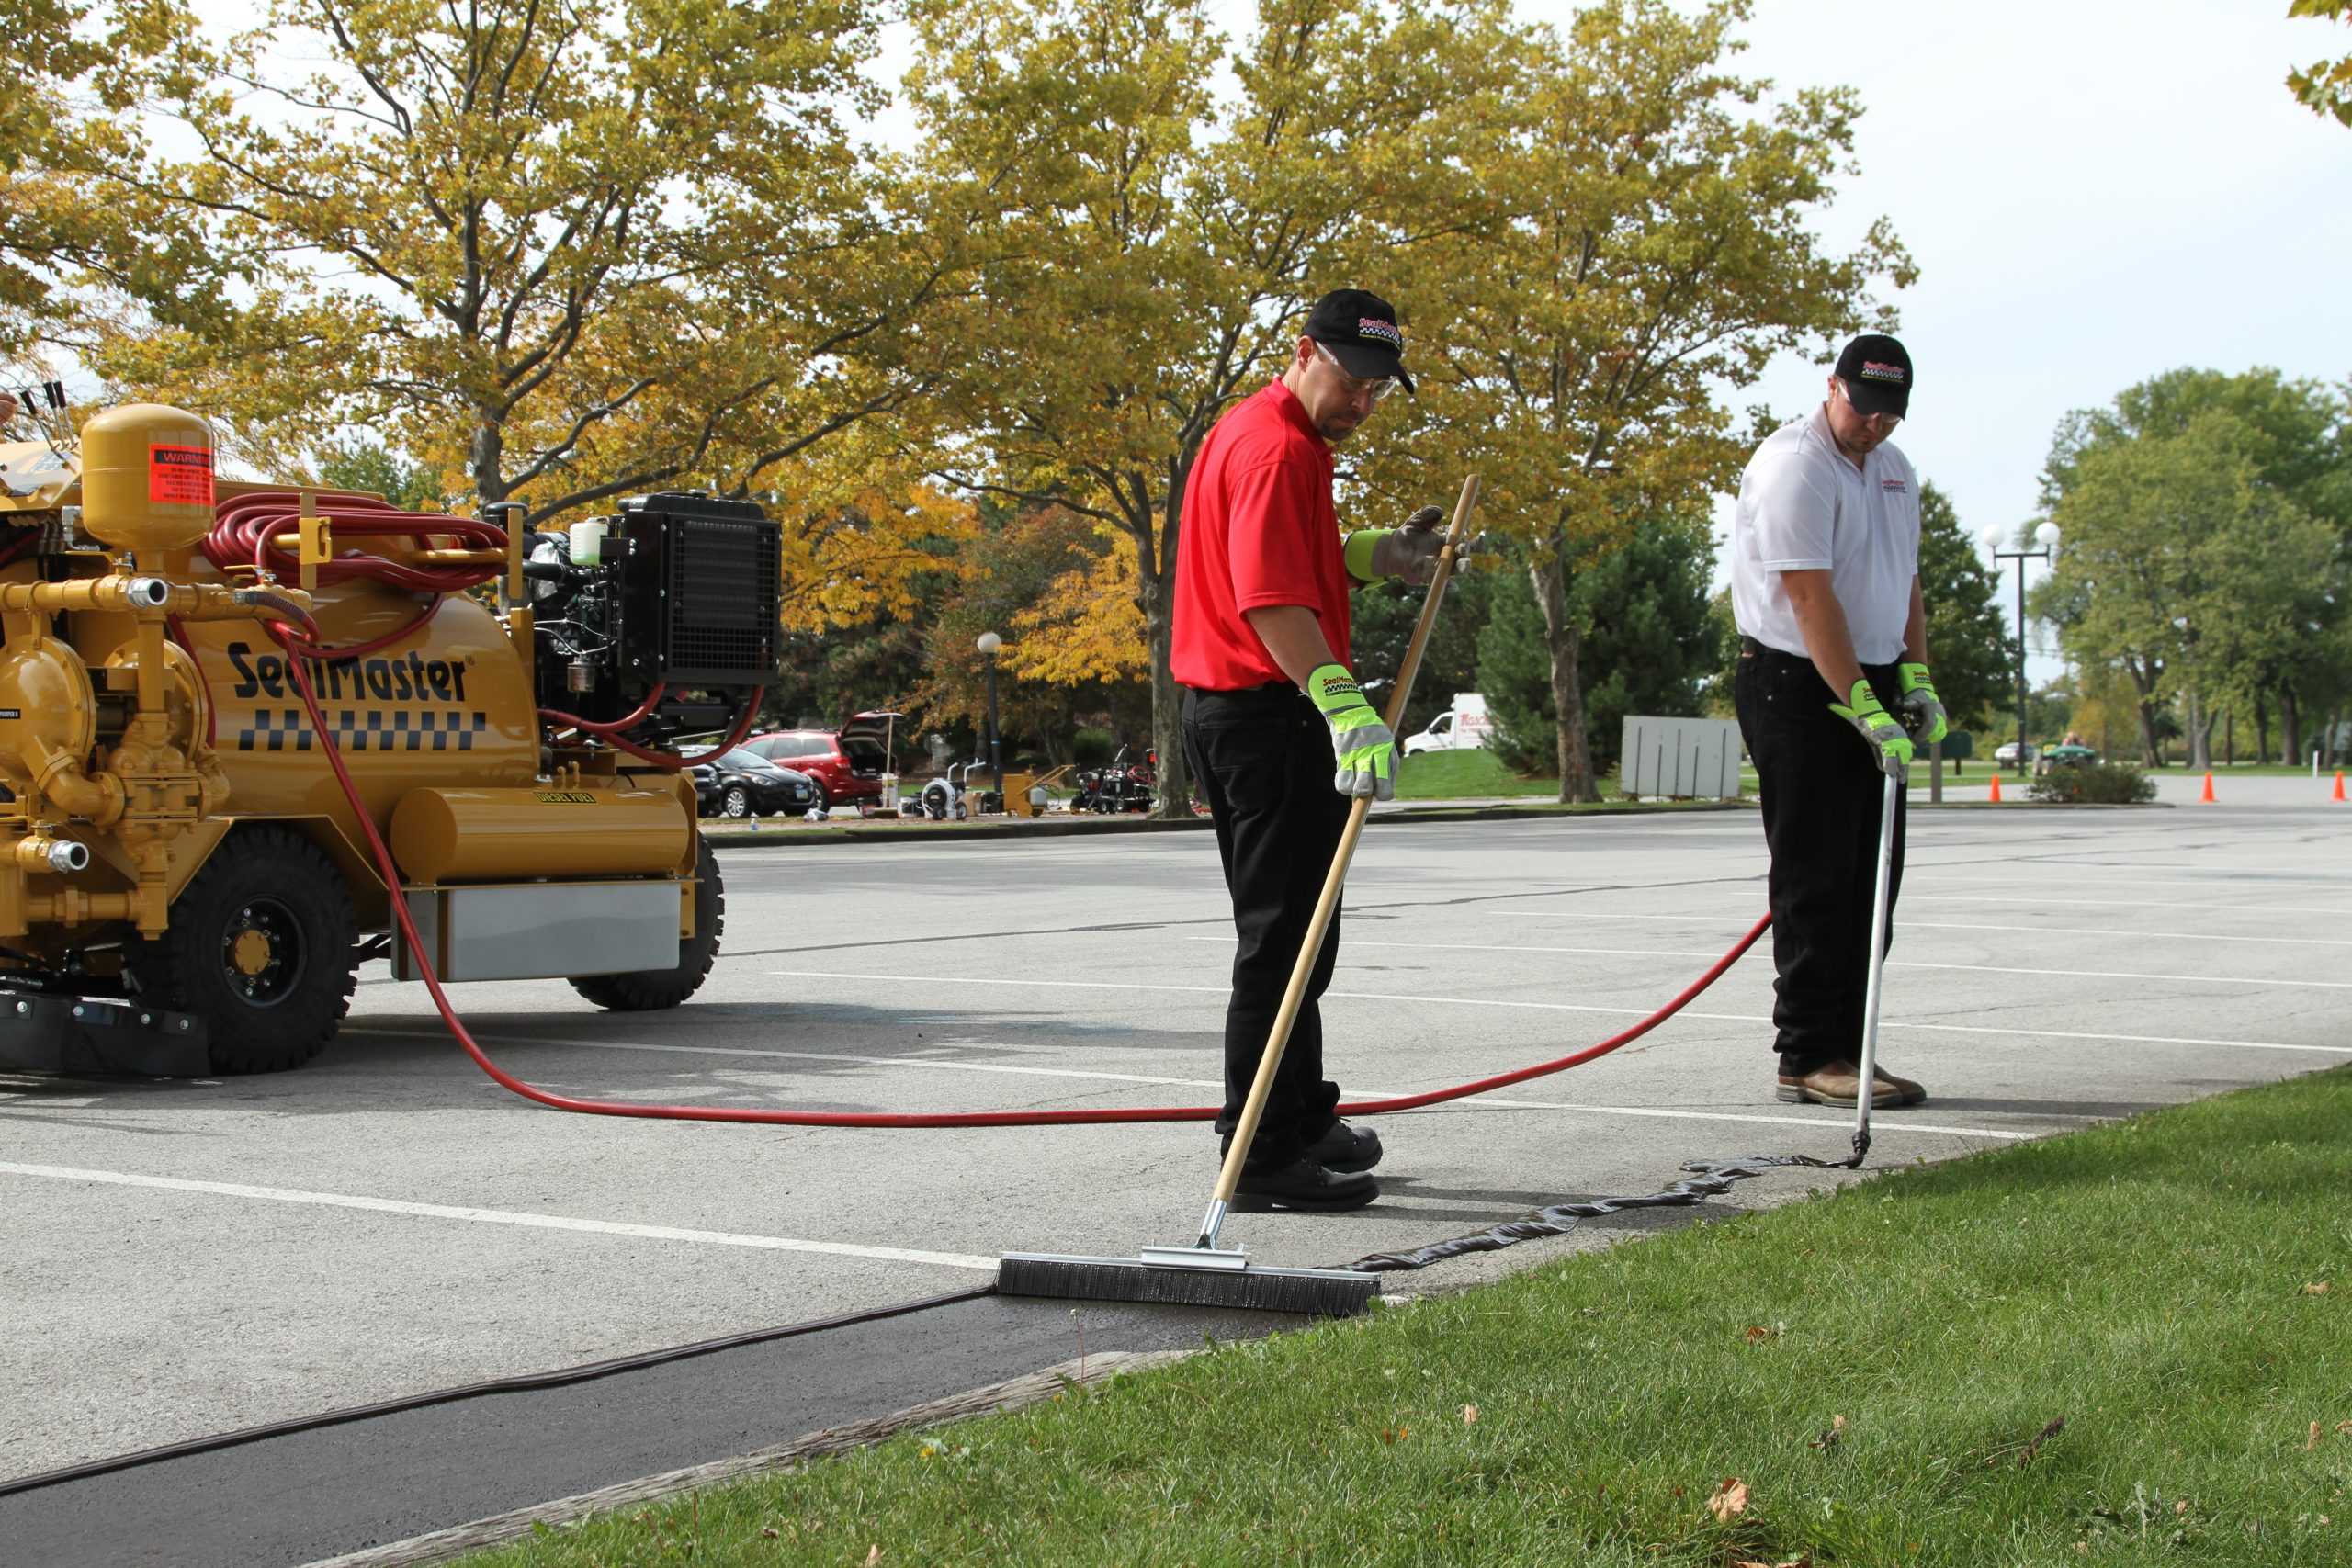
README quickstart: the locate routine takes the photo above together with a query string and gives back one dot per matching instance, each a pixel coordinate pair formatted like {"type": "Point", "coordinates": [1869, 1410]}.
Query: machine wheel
{"type": "Point", "coordinates": [649, 991]}
{"type": "Point", "coordinates": [817, 799]}
{"type": "Point", "coordinates": [263, 946]}
{"type": "Point", "coordinates": [736, 803]}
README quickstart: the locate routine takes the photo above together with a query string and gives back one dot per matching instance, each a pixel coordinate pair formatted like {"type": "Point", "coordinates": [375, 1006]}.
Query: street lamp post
{"type": "Point", "coordinates": [2047, 534]}
{"type": "Point", "coordinates": [988, 644]}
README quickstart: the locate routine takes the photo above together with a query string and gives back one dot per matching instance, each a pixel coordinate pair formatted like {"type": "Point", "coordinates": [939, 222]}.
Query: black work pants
{"type": "Point", "coordinates": [1262, 758]}
{"type": "Point", "coordinates": [1822, 792]}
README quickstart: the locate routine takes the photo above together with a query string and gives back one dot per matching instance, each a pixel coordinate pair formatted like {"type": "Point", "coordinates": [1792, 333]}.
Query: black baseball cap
{"type": "Point", "coordinates": [1361, 330]}
{"type": "Point", "coordinates": [1877, 373]}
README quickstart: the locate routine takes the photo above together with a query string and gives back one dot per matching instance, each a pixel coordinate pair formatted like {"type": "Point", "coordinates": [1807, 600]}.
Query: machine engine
{"type": "Point", "coordinates": [677, 594]}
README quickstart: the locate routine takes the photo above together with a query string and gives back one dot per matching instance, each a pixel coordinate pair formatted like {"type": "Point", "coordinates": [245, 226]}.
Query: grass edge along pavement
{"type": "Point", "coordinates": [2130, 1343]}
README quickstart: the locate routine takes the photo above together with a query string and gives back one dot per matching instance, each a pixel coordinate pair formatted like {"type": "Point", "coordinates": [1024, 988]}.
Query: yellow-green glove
{"type": "Point", "coordinates": [1366, 750]}
{"type": "Point", "coordinates": [1890, 745]}
{"type": "Point", "coordinates": [1923, 711]}
{"type": "Point", "coordinates": [1408, 554]}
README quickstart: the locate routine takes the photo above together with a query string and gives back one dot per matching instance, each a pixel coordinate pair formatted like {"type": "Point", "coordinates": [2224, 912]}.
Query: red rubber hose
{"type": "Point", "coordinates": [244, 526]}
{"type": "Point", "coordinates": [384, 863]}
{"type": "Point", "coordinates": [609, 727]}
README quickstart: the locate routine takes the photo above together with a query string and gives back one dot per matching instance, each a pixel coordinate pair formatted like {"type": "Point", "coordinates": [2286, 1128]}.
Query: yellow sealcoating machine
{"type": "Point", "coordinates": [187, 887]}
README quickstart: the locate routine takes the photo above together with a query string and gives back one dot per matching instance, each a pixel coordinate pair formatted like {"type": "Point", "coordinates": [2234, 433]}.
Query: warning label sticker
{"type": "Point", "coordinates": [566, 798]}
{"type": "Point", "coordinates": [179, 474]}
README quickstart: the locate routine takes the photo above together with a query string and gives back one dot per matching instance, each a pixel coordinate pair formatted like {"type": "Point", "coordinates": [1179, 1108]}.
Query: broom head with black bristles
{"type": "Point", "coordinates": [1185, 1277]}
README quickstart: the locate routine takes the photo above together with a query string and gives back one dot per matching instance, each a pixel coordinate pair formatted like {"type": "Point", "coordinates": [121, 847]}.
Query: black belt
{"type": "Point", "coordinates": [1750, 648]}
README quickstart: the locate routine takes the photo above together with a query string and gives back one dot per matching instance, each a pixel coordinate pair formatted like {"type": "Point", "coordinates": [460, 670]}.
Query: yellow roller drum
{"type": "Point", "coordinates": [505, 835]}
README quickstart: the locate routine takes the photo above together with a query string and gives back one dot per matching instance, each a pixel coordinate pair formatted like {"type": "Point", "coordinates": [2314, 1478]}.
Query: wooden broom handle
{"type": "Point", "coordinates": [1254, 1109]}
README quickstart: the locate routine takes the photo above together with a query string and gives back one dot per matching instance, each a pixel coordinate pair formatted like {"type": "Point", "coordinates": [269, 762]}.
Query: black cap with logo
{"type": "Point", "coordinates": [1361, 330]}
{"type": "Point", "coordinates": [1877, 373]}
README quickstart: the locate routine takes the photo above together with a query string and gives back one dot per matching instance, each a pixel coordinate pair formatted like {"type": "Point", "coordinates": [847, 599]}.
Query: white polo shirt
{"type": "Point", "coordinates": [1804, 506]}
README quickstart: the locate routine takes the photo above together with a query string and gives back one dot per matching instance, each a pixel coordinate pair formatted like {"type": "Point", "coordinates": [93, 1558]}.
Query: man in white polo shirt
{"type": "Point", "coordinates": [1833, 635]}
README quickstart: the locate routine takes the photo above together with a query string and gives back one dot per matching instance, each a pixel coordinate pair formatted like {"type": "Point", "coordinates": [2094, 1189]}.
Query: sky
{"type": "Point", "coordinates": [2094, 191]}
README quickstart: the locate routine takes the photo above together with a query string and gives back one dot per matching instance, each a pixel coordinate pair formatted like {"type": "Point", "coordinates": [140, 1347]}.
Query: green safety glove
{"type": "Point", "coordinates": [1923, 711]}
{"type": "Point", "coordinates": [1408, 554]}
{"type": "Point", "coordinates": [1888, 741]}
{"type": "Point", "coordinates": [1367, 751]}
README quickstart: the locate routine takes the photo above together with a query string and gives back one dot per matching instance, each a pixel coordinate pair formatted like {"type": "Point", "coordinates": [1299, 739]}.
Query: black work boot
{"type": "Point", "coordinates": [1346, 1148]}
{"type": "Point", "coordinates": [1305, 1185]}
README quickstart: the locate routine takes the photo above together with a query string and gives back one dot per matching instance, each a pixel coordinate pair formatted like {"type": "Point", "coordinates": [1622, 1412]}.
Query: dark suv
{"type": "Point", "coordinates": [846, 764]}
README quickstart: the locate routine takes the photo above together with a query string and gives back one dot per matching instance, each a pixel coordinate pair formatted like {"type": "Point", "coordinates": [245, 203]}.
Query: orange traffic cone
{"type": "Point", "coordinates": [2207, 798]}
{"type": "Point", "coordinates": [1996, 795]}
{"type": "Point", "coordinates": [2339, 783]}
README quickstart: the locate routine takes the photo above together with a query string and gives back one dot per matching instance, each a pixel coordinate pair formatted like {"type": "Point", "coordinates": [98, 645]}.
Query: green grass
{"type": "Point", "coordinates": [1454, 775]}
{"type": "Point", "coordinates": [2152, 1284]}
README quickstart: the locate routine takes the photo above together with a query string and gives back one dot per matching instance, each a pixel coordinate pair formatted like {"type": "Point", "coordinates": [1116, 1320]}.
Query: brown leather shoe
{"type": "Point", "coordinates": [1837, 1084]}
{"type": "Point", "coordinates": [1908, 1091]}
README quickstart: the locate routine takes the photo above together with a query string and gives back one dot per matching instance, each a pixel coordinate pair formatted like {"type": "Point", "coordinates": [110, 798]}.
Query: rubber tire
{"type": "Point", "coordinates": [736, 803]}
{"type": "Point", "coordinates": [650, 991]}
{"type": "Point", "coordinates": [817, 799]}
{"type": "Point", "coordinates": [182, 969]}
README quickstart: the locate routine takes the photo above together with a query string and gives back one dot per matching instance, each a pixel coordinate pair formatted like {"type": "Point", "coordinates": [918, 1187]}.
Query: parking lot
{"type": "Point", "coordinates": [188, 1257]}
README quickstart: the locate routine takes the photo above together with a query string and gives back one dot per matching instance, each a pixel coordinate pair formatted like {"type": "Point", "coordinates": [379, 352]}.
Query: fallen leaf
{"type": "Point", "coordinates": [2314, 1438]}
{"type": "Point", "coordinates": [1730, 1500]}
{"type": "Point", "coordinates": [2317, 1288]}
{"type": "Point", "coordinates": [1756, 1331]}
{"type": "Point", "coordinates": [2181, 1508]}
{"type": "Point", "coordinates": [2056, 1427]}
{"type": "Point", "coordinates": [2344, 1426]}
{"type": "Point", "coordinates": [1830, 1439]}
{"type": "Point", "coordinates": [872, 1555]}
{"type": "Point", "coordinates": [1469, 1415]}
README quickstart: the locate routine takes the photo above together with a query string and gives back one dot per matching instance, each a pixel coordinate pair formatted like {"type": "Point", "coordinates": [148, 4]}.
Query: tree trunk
{"type": "Point", "coordinates": [2334, 734]}
{"type": "Point", "coordinates": [2291, 729]}
{"type": "Point", "coordinates": [1156, 594]}
{"type": "Point", "coordinates": [1564, 639]}
{"type": "Point", "coordinates": [2262, 724]}
{"type": "Point", "coordinates": [2145, 684]}
{"type": "Point", "coordinates": [2200, 734]}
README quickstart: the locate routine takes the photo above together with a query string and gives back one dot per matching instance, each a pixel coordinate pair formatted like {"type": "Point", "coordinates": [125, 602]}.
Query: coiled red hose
{"type": "Point", "coordinates": [383, 857]}
{"type": "Point", "coordinates": [244, 525]}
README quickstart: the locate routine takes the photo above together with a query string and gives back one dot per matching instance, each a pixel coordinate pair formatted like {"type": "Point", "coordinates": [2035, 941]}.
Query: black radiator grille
{"type": "Point", "coordinates": [724, 598]}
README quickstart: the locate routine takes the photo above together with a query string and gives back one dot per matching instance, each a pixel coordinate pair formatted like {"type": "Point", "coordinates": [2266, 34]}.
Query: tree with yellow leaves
{"type": "Point", "coordinates": [1157, 246]}
{"type": "Point", "coordinates": [1656, 254]}
{"type": "Point", "coordinates": [569, 249]}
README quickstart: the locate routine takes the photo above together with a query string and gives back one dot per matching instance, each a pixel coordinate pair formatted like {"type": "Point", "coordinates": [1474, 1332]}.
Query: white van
{"type": "Point", "coordinates": [1463, 726]}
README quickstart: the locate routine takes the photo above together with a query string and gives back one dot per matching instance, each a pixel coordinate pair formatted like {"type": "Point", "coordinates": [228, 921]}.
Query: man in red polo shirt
{"type": "Point", "coordinates": [1260, 644]}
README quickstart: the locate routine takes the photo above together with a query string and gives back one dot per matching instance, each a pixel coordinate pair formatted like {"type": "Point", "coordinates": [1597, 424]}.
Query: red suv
{"type": "Point", "coordinates": [847, 764]}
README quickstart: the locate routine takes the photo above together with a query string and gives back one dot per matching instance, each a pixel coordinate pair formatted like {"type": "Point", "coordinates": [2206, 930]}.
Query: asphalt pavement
{"type": "Point", "coordinates": [185, 1259]}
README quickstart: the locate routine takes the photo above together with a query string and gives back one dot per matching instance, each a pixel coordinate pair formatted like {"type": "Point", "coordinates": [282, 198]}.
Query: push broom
{"type": "Point", "coordinates": [1205, 1274]}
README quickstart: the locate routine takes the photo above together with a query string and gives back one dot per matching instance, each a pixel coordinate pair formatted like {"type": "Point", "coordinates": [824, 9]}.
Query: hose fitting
{"type": "Point", "coordinates": [63, 856]}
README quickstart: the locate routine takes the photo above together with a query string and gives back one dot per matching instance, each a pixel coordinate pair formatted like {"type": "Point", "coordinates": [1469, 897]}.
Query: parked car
{"type": "Point", "coordinates": [741, 783]}
{"type": "Point", "coordinates": [2006, 753]}
{"type": "Point", "coordinates": [846, 764]}
{"type": "Point", "coordinates": [2064, 756]}
{"type": "Point", "coordinates": [1461, 727]}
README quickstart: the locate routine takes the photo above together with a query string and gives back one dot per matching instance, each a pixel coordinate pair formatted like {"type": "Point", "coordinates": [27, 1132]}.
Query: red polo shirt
{"type": "Point", "coordinates": [1258, 531]}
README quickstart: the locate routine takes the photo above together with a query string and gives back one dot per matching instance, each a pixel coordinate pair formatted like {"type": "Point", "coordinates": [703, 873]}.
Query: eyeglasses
{"type": "Point", "coordinates": [1878, 422]}
{"type": "Point", "coordinates": [1378, 386]}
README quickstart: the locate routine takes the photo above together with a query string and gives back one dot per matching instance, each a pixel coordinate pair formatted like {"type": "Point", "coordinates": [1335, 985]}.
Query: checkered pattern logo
{"type": "Point", "coordinates": [366, 729]}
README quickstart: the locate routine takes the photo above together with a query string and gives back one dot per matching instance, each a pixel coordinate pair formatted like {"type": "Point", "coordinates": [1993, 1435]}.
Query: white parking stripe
{"type": "Point", "coordinates": [1890, 964]}
{"type": "Point", "coordinates": [1742, 921]}
{"type": "Point", "coordinates": [1554, 1007]}
{"type": "Point", "coordinates": [1911, 897]}
{"type": "Point", "coordinates": [1354, 1092]}
{"type": "Point", "coordinates": [496, 1216]}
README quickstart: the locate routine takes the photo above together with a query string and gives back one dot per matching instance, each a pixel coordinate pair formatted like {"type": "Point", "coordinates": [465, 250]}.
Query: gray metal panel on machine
{"type": "Point", "coordinates": [542, 929]}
